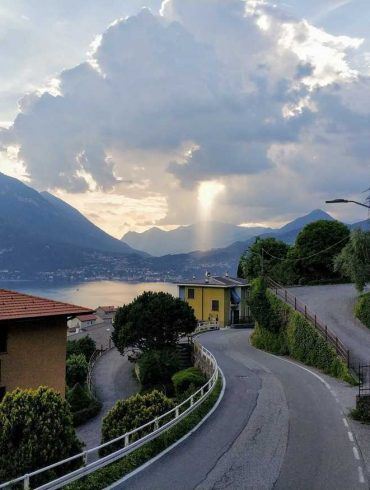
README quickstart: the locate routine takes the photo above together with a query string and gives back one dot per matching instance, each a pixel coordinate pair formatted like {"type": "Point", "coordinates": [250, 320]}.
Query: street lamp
{"type": "Point", "coordinates": [346, 201]}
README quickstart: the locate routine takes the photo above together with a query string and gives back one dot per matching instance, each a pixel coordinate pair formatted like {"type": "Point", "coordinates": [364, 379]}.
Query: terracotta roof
{"type": "Point", "coordinates": [87, 318]}
{"type": "Point", "coordinates": [108, 309]}
{"type": "Point", "coordinates": [14, 305]}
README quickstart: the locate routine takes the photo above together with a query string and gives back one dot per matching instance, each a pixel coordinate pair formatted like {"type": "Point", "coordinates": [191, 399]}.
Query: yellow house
{"type": "Point", "coordinates": [216, 298]}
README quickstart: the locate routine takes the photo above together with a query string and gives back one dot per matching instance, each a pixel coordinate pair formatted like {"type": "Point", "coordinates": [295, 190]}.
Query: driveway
{"type": "Point", "coordinates": [113, 379]}
{"type": "Point", "coordinates": [278, 426]}
{"type": "Point", "coordinates": [335, 304]}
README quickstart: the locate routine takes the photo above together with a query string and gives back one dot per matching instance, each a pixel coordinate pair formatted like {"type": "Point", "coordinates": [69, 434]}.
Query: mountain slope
{"type": "Point", "coordinates": [200, 236]}
{"type": "Point", "coordinates": [47, 218]}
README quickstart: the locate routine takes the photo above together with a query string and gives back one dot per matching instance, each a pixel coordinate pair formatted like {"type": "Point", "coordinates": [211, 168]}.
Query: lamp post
{"type": "Point", "coordinates": [346, 201]}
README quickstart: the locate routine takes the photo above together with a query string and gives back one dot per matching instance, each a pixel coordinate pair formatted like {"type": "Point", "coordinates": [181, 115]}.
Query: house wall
{"type": "Point", "coordinates": [202, 303]}
{"type": "Point", "coordinates": [36, 354]}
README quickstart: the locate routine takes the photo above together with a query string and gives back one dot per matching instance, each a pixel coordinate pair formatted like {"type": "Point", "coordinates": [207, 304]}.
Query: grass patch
{"type": "Point", "coordinates": [110, 474]}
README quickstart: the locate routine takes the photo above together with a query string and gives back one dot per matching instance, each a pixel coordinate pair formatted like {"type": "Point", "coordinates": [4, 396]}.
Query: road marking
{"type": "Point", "coordinates": [345, 423]}
{"type": "Point", "coordinates": [355, 453]}
{"type": "Point", "coordinates": [350, 436]}
{"type": "Point", "coordinates": [361, 475]}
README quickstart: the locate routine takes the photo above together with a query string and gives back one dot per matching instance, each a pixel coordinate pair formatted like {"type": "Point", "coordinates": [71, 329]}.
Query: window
{"type": "Point", "coordinates": [2, 392]}
{"type": "Point", "coordinates": [215, 305]}
{"type": "Point", "coordinates": [191, 293]}
{"type": "Point", "coordinates": [3, 340]}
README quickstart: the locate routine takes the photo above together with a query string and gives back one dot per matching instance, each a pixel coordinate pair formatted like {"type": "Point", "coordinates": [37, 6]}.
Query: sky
{"type": "Point", "coordinates": [145, 113]}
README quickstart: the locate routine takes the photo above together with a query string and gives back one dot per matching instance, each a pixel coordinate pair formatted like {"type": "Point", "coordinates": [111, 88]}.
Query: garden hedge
{"type": "Point", "coordinates": [362, 309]}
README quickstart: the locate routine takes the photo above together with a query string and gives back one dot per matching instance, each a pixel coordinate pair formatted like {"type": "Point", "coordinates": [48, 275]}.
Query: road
{"type": "Point", "coordinates": [334, 304]}
{"type": "Point", "coordinates": [278, 426]}
{"type": "Point", "coordinates": [113, 380]}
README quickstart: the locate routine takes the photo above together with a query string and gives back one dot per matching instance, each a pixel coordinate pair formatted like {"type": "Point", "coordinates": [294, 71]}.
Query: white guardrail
{"type": "Point", "coordinates": [155, 427]}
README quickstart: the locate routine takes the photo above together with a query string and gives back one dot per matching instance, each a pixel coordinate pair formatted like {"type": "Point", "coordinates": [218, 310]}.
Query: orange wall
{"type": "Point", "coordinates": [36, 355]}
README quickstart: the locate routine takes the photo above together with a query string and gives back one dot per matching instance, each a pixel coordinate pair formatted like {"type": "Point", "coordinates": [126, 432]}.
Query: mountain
{"type": "Point", "coordinates": [199, 236]}
{"type": "Point", "coordinates": [221, 260]}
{"type": "Point", "coordinates": [45, 217]}
{"type": "Point", "coordinates": [299, 223]}
{"type": "Point", "coordinates": [362, 225]}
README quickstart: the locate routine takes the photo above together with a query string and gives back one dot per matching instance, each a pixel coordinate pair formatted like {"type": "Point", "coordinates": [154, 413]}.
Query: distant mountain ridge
{"type": "Point", "coordinates": [186, 239]}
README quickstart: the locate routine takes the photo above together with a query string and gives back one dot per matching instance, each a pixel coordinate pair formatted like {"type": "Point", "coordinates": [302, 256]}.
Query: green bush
{"type": "Point", "coordinates": [261, 307]}
{"type": "Point", "coordinates": [299, 339]}
{"type": "Point", "coordinates": [110, 474]}
{"type": "Point", "coordinates": [188, 378]}
{"type": "Point", "coordinates": [362, 309]}
{"type": "Point", "coordinates": [86, 346]}
{"type": "Point", "coordinates": [83, 405]}
{"type": "Point", "coordinates": [76, 370]}
{"type": "Point", "coordinates": [132, 413]}
{"type": "Point", "coordinates": [35, 431]}
{"type": "Point", "coordinates": [157, 366]}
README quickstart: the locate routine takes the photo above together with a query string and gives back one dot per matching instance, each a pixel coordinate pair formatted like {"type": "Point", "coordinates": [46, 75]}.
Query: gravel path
{"type": "Point", "coordinates": [335, 304]}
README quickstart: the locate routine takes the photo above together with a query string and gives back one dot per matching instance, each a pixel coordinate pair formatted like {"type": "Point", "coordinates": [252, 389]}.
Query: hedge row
{"type": "Point", "coordinates": [297, 338]}
{"type": "Point", "coordinates": [362, 309]}
{"type": "Point", "coordinates": [112, 473]}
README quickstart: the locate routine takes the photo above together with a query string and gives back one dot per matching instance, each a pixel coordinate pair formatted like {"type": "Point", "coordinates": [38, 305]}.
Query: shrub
{"type": "Point", "coordinates": [76, 370]}
{"type": "Point", "coordinates": [362, 309]}
{"type": "Point", "coordinates": [35, 431]}
{"type": "Point", "coordinates": [78, 397]}
{"type": "Point", "coordinates": [188, 378]}
{"type": "Point", "coordinates": [132, 413]}
{"type": "Point", "coordinates": [86, 346]}
{"type": "Point", "coordinates": [299, 339]}
{"type": "Point", "coordinates": [261, 308]}
{"type": "Point", "coordinates": [157, 366]}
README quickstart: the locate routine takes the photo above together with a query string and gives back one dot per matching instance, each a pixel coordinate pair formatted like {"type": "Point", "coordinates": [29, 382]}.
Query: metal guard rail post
{"type": "Point", "coordinates": [158, 429]}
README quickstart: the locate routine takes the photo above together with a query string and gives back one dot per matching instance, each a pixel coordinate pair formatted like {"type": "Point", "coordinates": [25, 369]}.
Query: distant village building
{"type": "Point", "coordinates": [82, 322]}
{"type": "Point", "coordinates": [218, 299]}
{"type": "Point", "coordinates": [106, 313]}
{"type": "Point", "coordinates": [33, 338]}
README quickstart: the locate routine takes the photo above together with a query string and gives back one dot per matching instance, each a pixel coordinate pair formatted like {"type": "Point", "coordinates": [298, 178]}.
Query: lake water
{"type": "Point", "coordinates": [90, 294]}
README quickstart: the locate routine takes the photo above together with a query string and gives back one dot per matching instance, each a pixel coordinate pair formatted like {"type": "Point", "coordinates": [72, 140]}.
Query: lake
{"type": "Point", "coordinates": [91, 294]}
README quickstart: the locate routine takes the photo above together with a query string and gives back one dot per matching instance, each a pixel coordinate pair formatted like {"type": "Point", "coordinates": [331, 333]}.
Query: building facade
{"type": "Point", "coordinates": [217, 299]}
{"type": "Point", "coordinates": [33, 339]}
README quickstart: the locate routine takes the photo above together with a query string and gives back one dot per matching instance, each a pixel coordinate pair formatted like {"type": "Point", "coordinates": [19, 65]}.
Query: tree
{"type": "Point", "coordinates": [158, 366]}
{"type": "Point", "coordinates": [76, 370]}
{"type": "Point", "coordinates": [152, 321]}
{"type": "Point", "coordinates": [85, 345]}
{"type": "Point", "coordinates": [315, 248]}
{"type": "Point", "coordinates": [261, 308]}
{"type": "Point", "coordinates": [354, 259]}
{"type": "Point", "coordinates": [269, 250]}
{"type": "Point", "coordinates": [35, 431]}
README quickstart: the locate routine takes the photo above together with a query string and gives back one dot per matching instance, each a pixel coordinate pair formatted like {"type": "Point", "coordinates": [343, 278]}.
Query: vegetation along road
{"type": "Point", "coordinates": [278, 426]}
{"type": "Point", "coordinates": [334, 304]}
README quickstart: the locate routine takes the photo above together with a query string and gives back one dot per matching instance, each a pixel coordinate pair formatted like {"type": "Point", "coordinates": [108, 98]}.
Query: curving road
{"type": "Point", "coordinates": [278, 426]}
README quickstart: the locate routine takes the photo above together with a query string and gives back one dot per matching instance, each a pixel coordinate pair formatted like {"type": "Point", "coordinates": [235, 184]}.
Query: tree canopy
{"type": "Point", "coordinates": [35, 431]}
{"type": "Point", "coordinates": [315, 249]}
{"type": "Point", "coordinates": [271, 251]}
{"type": "Point", "coordinates": [152, 321]}
{"type": "Point", "coordinates": [354, 259]}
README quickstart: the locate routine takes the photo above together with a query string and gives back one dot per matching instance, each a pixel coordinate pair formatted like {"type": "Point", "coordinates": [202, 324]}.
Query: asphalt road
{"type": "Point", "coordinates": [113, 380]}
{"type": "Point", "coordinates": [278, 426]}
{"type": "Point", "coordinates": [335, 304]}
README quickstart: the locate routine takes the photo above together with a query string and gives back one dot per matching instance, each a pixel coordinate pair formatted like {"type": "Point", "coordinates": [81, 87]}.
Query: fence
{"type": "Point", "coordinates": [319, 325]}
{"type": "Point", "coordinates": [145, 433]}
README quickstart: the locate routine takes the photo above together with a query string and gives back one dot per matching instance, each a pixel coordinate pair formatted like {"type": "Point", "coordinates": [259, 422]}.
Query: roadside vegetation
{"type": "Point", "coordinates": [112, 473]}
{"type": "Point", "coordinates": [362, 309]}
{"type": "Point", "coordinates": [36, 430]}
{"type": "Point", "coordinates": [283, 331]}
{"type": "Point", "coordinates": [82, 403]}
{"type": "Point", "coordinates": [309, 261]}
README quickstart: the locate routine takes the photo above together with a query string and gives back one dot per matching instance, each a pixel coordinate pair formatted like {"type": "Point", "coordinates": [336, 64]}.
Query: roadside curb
{"type": "Point", "coordinates": [175, 444]}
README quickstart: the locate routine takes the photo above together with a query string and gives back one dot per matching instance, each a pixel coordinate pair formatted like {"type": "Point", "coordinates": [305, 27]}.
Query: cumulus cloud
{"type": "Point", "coordinates": [230, 90]}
